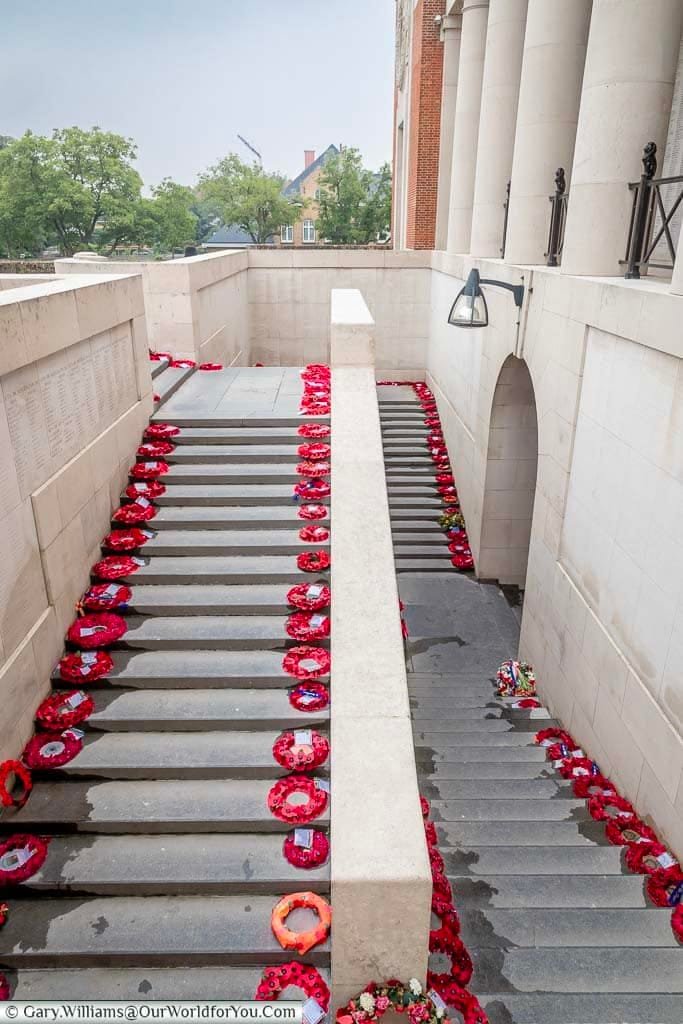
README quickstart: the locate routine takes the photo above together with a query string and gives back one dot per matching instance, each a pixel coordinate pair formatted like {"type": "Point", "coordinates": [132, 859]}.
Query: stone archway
{"type": "Point", "coordinates": [510, 486]}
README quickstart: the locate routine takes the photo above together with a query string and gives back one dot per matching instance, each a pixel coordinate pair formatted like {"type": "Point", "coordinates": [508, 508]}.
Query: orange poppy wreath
{"type": "Point", "coordinates": [301, 942]}
{"type": "Point", "coordinates": [301, 757]}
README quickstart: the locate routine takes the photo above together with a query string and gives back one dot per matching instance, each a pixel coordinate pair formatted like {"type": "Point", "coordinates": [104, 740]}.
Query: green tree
{"type": "Point", "coordinates": [249, 197]}
{"type": "Point", "coordinates": [174, 222]}
{"type": "Point", "coordinates": [355, 204]}
{"type": "Point", "coordinates": [208, 217]}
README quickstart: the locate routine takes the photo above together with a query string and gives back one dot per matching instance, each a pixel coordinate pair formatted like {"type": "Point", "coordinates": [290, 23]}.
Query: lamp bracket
{"type": "Point", "coordinates": [516, 289]}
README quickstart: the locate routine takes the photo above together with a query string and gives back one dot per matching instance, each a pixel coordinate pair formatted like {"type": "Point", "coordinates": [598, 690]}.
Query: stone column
{"type": "Point", "coordinates": [466, 128]}
{"type": "Point", "coordinates": [677, 277]}
{"type": "Point", "coordinates": [547, 113]}
{"type": "Point", "coordinates": [625, 103]}
{"type": "Point", "coordinates": [451, 28]}
{"type": "Point", "coordinates": [499, 95]}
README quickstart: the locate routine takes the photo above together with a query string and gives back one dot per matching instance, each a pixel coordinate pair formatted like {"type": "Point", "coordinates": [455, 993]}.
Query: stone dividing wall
{"type": "Point", "coordinates": [603, 609]}
{"type": "Point", "coordinates": [75, 394]}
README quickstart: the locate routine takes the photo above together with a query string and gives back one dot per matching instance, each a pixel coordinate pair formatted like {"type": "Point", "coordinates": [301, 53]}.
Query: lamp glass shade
{"type": "Point", "coordinates": [469, 309]}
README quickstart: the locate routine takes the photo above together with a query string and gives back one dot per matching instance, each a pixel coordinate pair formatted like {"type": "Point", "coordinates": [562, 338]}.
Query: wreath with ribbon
{"type": "Point", "coordinates": [126, 540]}
{"type": "Point", "coordinates": [21, 775]}
{"type": "Point", "coordinates": [320, 368]}
{"type": "Point", "coordinates": [432, 421]}
{"type": "Point", "coordinates": [448, 491]}
{"type": "Point", "coordinates": [317, 387]}
{"type": "Point", "coordinates": [578, 767]}
{"type": "Point", "coordinates": [155, 449]}
{"type": "Point", "coordinates": [309, 697]}
{"type": "Point", "coordinates": [315, 410]}
{"type": "Point", "coordinates": [462, 561]}
{"type": "Point", "coordinates": [315, 470]}
{"type": "Point", "coordinates": [76, 667]}
{"type": "Point", "coordinates": [158, 356]}
{"type": "Point", "coordinates": [45, 750]}
{"type": "Point", "coordinates": [451, 519]}
{"type": "Point", "coordinates": [313, 430]}
{"type": "Point", "coordinates": [665, 887]}
{"type": "Point", "coordinates": [297, 814]}
{"type": "Point", "coordinates": [301, 757]}
{"type": "Point", "coordinates": [316, 452]}
{"type": "Point", "coordinates": [445, 478]}
{"type": "Point", "coordinates": [275, 980]}
{"type": "Point", "coordinates": [312, 489]}
{"type": "Point", "coordinates": [301, 942]}
{"type": "Point", "coordinates": [313, 561]}
{"type": "Point", "coordinates": [184, 364]}
{"type": "Point", "coordinates": [96, 630]}
{"type": "Point", "coordinates": [161, 431]}
{"type": "Point", "coordinates": [602, 808]}
{"type": "Point", "coordinates": [20, 857]}
{"type": "Point", "coordinates": [547, 737]}
{"type": "Point", "coordinates": [444, 941]}
{"type": "Point", "coordinates": [306, 856]}
{"type": "Point", "coordinates": [516, 679]}
{"type": "Point", "coordinates": [307, 662]}
{"type": "Point", "coordinates": [629, 831]}
{"type": "Point", "coordinates": [148, 470]}
{"type": "Point", "coordinates": [644, 858]}
{"type": "Point", "coordinates": [309, 597]}
{"type": "Point", "coordinates": [145, 489]}
{"type": "Point", "coordinates": [314, 534]}
{"type": "Point", "coordinates": [115, 567]}
{"type": "Point", "coordinates": [313, 512]}
{"type": "Point", "coordinates": [134, 513]}
{"type": "Point", "coordinates": [104, 596]}
{"type": "Point", "coordinates": [62, 710]}
{"type": "Point", "coordinates": [460, 547]}
{"type": "Point", "coordinates": [593, 785]}
{"type": "Point", "coordinates": [210, 366]}
{"type": "Point", "coordinates": [301, 626]}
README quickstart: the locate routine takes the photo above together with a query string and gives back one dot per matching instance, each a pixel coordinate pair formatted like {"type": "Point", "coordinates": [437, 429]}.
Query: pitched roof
{"type": "Point", "coordinates": [294, 186]}
{"type": "Point", "coordinates": [230, 236]}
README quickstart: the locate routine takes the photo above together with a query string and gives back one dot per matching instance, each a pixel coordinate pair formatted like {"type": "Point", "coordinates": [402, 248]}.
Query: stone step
{"type": "Point", "coordinates": [493, 810]}
{"type": "Point", "coordinates": [249, 420]}
{"type": "Point", "coordinates": [206, 632]}
{"type": "Point", "coordinates": [436, 773]}
{"type": "Point", "coordinates": [211, 864]}
{"type": "Point", "coordinates": [240, 436]}
{"type": "Point", "coordinates": [567, 930]}
{"type": "Point", "coordinates": [565, 892]}
{"type": "Point", "coordinates": [149, 806]}
{"type": "Point", "coordinates": [502, 789]}
{"type": "Point", "coordinates": [399, 513]}
{"type": "Point", "coordinates": [463, 753]}
{"type": "Point", "coordinates": [157, 365]}
{"type": "Point", "coordinates": [168, 382]}
{"type": "Point", "coordinates": [266, 543]}
{"type": "Point", "coordinates": [469, 738]}
{"type": "Point", "coordinates": [174, 755]}
{"type": "Point", "coordinates": [138, 983]}
{"type": "Point", "coordinates": [426, 506]}
{"type": "Point", "coordinates": [579, 1007]}
{"type": "Point", "coordinates": [229, 454]}
{"type": "Point", "coordinates": [425, 710]}
{"type": "Point", "coordinates": [231, 474]}
{"type": "Point", "coordinates": [405, 550]}
{"type": "Point", "coordinates": [477, 730]}
{"type": "Point", "coordinates": [616, 969]}
{"type": "Point", "coordinates": [534, 860]}
{"type": "Point", "coordinates": [199, 599]}
{"type": "Point", "coordinates": [465, 834]}
{"type": "Point", "coordinates": [231, 517]}
{"type": "Point", "coordinates": [198, 710]}
{"type": "Point", "coordinates": [259, 495]}
{"type": "Point", "coordinates": [228, 569]}
{"type": "Point", "coordinates": [402, 564]}
{"type": "Point", "coordinates": [424, 529]}
{"type": "Point", "coordinates": [127, 931]}
{"type": "Point", "coordinates": [201, 670]}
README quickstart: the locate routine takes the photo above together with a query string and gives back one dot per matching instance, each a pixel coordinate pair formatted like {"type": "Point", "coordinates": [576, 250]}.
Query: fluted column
{"type": "Point", "coordinates": [625, 103]}
{"type": "Point", "coordinates": [547, 113]}
{"type": "Point", "coordinates": [466, 128]}
{"type": "Point", "coordinates": [499, 96]}
{"type": "Point", "coordinates": [451, 29]}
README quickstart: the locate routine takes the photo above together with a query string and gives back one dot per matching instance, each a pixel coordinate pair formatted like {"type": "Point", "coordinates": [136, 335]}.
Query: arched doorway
{"type": "Point", "coordinates": [511, 465]}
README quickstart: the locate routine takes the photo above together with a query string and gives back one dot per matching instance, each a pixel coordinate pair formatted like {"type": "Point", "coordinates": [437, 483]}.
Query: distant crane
{"type": "Point", "coordinates": [249, 146]}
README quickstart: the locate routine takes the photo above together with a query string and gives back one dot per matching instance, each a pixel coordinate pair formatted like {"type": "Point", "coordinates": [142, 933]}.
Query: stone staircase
{"type": "Point", "coordinates": [164, 861]}
{"type": "Point", "coordinates": [559, 930]}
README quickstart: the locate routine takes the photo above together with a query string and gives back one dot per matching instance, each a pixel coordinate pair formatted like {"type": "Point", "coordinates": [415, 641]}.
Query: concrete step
{"type": "Point", "coordinates": [227, 569]}
{"type": "Point", "coordinates": [259, 495]}
{"type": "Point", "coordinates": [616, 969]}
{"type": "Point", "coordinates": [509, 810]}
{"type": "Point", "coordinates": [138, 983]}
{"type": "Point", "coordinates": [174, 755]}
{"type": "Point", "coordinates": [206, 632]}
{"type": "Point", "coordinates": [201, 670]}
{"type": "Point", "coordinates": [231, 473]}
{"type": "Point", "coordinates": [502, 789]}
{"type": "Point", "coordinates": [240, 436]}
{"type": "Point", "coordinates": [198, 710]}
{"type": "Point", "coordinates": [404, 550]}
{"type": "Point", "coordinates": [249, 420]}
{"type": "Point", "coordinates": [441, 729]}
{"type": "Point", "coordinates": [469, 738]}
{"type": "Point", "coordinates": [188, 542]}
{"type": "Point", "coordinates": [212, 864]}
{"type": "Point", "coordinates": [534, 860]}
{"type": "Point", "coordinates": [426, 709]}
{"type": "Point", "coordinates": [210, 599]}
{"type": "Point", "coordinates": [419, 564]}
{"type": "Point", "coordinates": [156, 366]}
{"type": "Point", "coordinates": [229, 454]}
{"type": "Point", "coordinates": [566, 930]}
{"type": "Point", "coordinates": [231, 517]}
{"type": "Point", "coordinates": [430, 505]}
{"type": "Point", "coordinates": [579, 1007]}
{"type": "Point", "coordinates": [168, 382]}
{"type": "Point", "coordinates": [428, 527]}
{"type": "Point", "coordinates": [149, 806]}
{"type": "Point", "coordinates": [128, 931]}
{"type": "Point", "coordinates": [566, 892]}
{"type": "Point", "coordinates": [465, 834]}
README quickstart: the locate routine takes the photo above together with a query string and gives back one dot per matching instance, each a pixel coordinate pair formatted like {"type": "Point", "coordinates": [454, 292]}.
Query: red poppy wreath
{"type": "Point", "coordinates": [210, 366]}
{"type": "Point", "coordinates": [630, 831]}
{"type": "Point", "coordinates": [677, 923]}
{"type": "Point", "coordinates": [46, 750]}
{"type": "Point", "coordinates": [301, 751]}
{"type": "Point", "coordinates": [307, 626]}
{"type": "Point", "coordinates": [20, 774]}
{"type": "Point", "coordinates": [62, 710]}
{"type": "Point", "coordinates": [314, 451]}
{"type": "Point", "coordinates": [114, 567]}
{"type": "Point", "coordinates": [148, 470]}
{"type": "Point", "coordinates": [314, 534]}
{"type": "Point", "coordinates": [85, 666]}
{"type": "Point", "coordinates": [96, 630]}
{"type": "Point", "coordinates": [104, 596]}
{"type": "Point", "coordinates": [307, 662]}
{"type": "Point", "coordinates": [312, 489]}
{"type": "Point", "coordinates": [139, 511]}
{"type": "Point", "coordinates": [665, 887]}
{"type": "Point", "coordinates": [298, 814]}
{"type": "Point", "coordinates": [309, 850]}
{"type": "Point", "coordinates": [127, 540]}
{"type": "Point", "coordinates": [309, 597]}
{"type": "Point", "coordinates": [276, 979]}
{"type": "Point", "coordinates": [161, 431]}
{"type": "Point", "coordinates": [155, 449]}
{"type": "Point", "coordinates": [309, 697]}
{"type": "Point", "coordinates": [313, 430]}
{"type": "Point", "coordinates": [145, 489]}
{"type": "Point", "coordinates": [313, 561]}
{"type": "Point", "coordinates": [443, 941]}
{"type": "Point", "coordinates": [313, 512]}
{"type": "Point", "coordinates": [602, 808]}
{"type": "Point", "coordinates": [20, 857]}
{"type": "Point", "coordinates": [316, 470]}
{"type": "Point", "coordinates": [183, 364]}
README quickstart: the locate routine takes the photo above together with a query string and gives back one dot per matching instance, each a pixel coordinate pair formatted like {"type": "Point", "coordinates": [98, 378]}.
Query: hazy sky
{"type": "Point", "coordinates": [182, 77]}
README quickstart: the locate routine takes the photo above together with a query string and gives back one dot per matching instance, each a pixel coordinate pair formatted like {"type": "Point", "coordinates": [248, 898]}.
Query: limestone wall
{"type": "Point", "coordinates": [75, 393]}
{"type": "Point", "coordinates": [603, 611]}
{"type": "Point", "coordinates": [196, 307]}
{"type": "Point", "coordinates": [289, 305]}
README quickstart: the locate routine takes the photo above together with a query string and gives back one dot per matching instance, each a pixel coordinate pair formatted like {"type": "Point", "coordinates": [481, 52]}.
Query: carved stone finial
{"type": "Point", "coordinates": [560, 181]}
{"type": "Point", "coordinates": [650, 160]}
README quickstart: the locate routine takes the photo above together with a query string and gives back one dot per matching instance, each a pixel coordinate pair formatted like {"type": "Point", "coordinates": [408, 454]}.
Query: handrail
{"type": "Point", "coordinates": [558, 219]}
{"type": "Point", "coordinates": [506, 208]}
{"type": "Point", "coordinates": [650, 220]}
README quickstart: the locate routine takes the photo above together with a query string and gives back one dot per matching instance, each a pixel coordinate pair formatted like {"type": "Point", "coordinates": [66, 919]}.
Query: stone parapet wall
{"type": "Point", "coordinates": [75, 394]}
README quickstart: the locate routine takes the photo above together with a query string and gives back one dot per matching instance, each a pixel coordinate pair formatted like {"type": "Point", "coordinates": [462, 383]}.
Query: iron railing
{"type": "Point", "coordinates": [558, 219]}
{"type": "Point", "coordinates": [655, 203]}
{"type": "Point", "coordinates": [506, 209]}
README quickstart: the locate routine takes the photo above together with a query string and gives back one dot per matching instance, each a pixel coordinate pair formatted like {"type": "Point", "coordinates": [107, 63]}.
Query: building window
{"type": "Point", "coordinates": [286, 233]}
{"type": "Point", "coordinates": [309, 231]}
{"type": "Point", "coordinates": [317, 194]}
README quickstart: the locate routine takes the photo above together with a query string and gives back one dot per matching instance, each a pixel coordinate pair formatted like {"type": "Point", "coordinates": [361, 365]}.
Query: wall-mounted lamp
{"type": "Point", "coordinates": [470, 309]}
